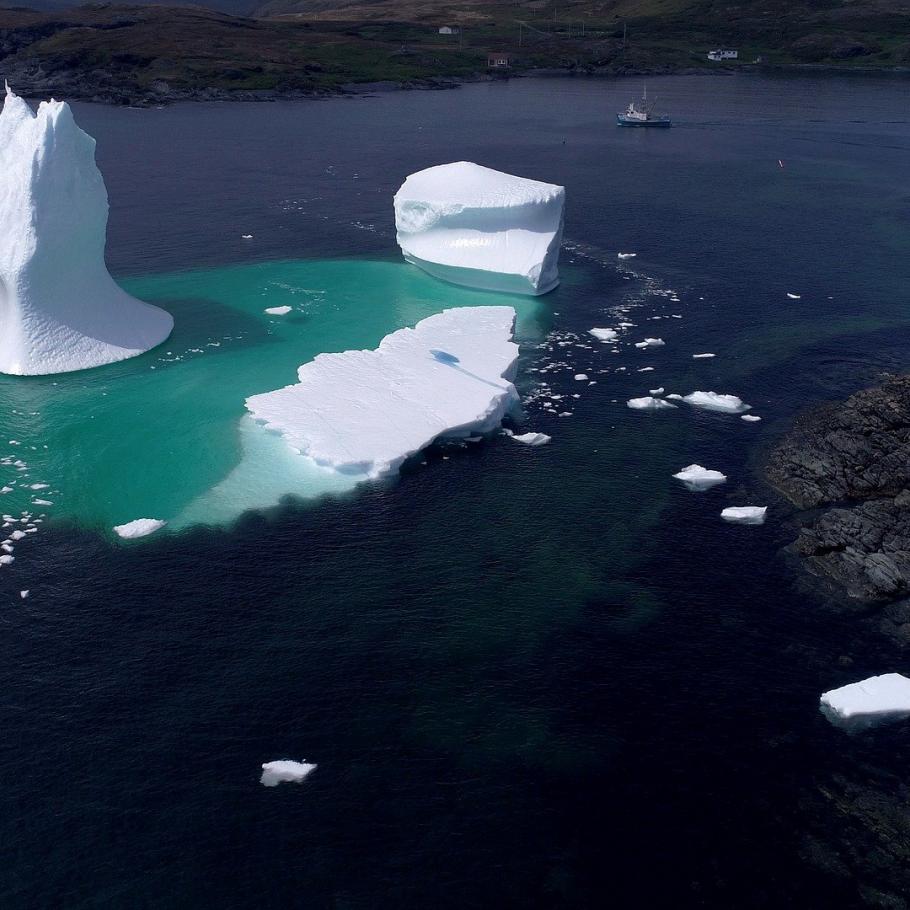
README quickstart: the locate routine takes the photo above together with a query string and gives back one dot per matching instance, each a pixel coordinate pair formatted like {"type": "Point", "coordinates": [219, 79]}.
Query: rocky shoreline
{"type": "Point", "coordinates": [846, 467]}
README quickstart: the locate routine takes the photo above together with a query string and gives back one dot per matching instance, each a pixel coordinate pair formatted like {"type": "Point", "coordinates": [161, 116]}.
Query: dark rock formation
{"type": "Point", "coordinates": [851, 463]}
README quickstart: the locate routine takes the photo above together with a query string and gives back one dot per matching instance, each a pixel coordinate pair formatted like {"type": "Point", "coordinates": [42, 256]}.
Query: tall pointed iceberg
{"type": "Point", "coordinates": [481, 228]}
{"type": "Point", "coordinates": [60, 310]}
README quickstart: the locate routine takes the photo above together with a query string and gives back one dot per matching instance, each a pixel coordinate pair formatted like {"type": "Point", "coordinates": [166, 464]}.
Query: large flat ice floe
{"type": "Point", "coordinates": [139, 527]}
{"type": "Point", "coordinates": [878, 699]}
{"type": "Point", "coordinates": [61, 310]}
{"type": "Point", "coordinates": [714, 401]}
{"type": "Point", "coordinates": [745, 515]}
{"type": "Point", "coordinates": [363, 413]}
{"type": "Point", "coordinates": [285, 771]}
{"type": "Point", "coordinates": [697, 478]}
{"type": "Point", "coordinates": [481, 228]}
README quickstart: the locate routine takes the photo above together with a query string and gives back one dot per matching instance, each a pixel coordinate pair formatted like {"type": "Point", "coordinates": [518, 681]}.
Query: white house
{"type": "Point", "coordinates": [723, 54]}
{"type": "Point", "coordinates": [448, 30]}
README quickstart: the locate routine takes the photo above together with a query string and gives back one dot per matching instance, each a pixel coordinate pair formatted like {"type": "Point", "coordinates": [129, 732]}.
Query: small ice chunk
{"type": "Point", "coordinates": [878, 699]}
{"type": "Point", "coordinates": [17, 535]}
{"type": "Point", "coordinates": [794, 296]}
{"type": "Point", "coordinates": [697, 478]}
{"type": "Point", "coordinates": [604, 334]}
{"type": "Point", "coordinates": [532, 439]}
{"type": "Point", "coordinates": [714, 401]}
{"type": "Point", "coordinates": [6, 559]}
{"type": "Point", "coordinates": [626, 255]}
{"type": "Point", "coordinates": [140, 527]}
{"type": "Point", "coordinates": [656, 392]}
{"type": "Point", "coordinates": [285, 771]}
{"type": "Point", "coordinates": [24, 594]}
{"type": "Point", "coordinates": [650, 343]}
{"type": "Point", "coordinates": [745, 515]}
{"type": "Point", "coordinates": [645, 370]}
{"type": "Point", "coordinates": [750, 418]}
{"type": "Point", "coordinates": [41, 502]}
{"type": "Point", "coordinates": [246, 236]}
{"type": "Point", "coordinates": [39, 486]}
{"type": "Point", "coordinates": [648, 403]}
{"type": "Point", "coordinates": [581, 376]}
{"type": "Point", "coordinates": [703, 356]}
{"type": "Point", "coordinates": [278, 310]}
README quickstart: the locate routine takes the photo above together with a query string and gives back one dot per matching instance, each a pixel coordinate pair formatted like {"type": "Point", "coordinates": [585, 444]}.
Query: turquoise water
{"type": "Point", "coordinates": [164, 435]}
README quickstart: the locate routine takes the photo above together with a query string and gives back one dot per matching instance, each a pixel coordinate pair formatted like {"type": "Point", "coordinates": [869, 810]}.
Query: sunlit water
{"type": "Point", "coordinates": [529, 677]}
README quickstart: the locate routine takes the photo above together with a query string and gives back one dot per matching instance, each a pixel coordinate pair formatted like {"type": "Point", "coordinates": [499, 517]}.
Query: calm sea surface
{"type": "Point", "coordinates": [530, 677]}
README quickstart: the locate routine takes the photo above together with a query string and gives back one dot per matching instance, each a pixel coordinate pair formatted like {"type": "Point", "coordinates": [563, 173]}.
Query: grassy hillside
{"type": "Point", "coordinates": [155, 53]}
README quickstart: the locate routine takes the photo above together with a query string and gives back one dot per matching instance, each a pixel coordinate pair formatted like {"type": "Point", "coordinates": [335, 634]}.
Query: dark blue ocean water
{"type": "Point", "coordinates": [529, 677]}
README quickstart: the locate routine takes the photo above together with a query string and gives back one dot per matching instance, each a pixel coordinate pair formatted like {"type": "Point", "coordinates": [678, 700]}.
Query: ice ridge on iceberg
{"type": "Point", "coordinates": [363, 413]}
{"type": "Point", "coordinates": [481, 228]}
{"type": "Point", "coordinates": [60, 310]}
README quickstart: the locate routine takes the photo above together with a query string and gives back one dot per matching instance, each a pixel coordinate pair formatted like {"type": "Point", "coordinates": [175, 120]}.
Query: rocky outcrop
{"type": "Point", "coordinates": [850, 463]}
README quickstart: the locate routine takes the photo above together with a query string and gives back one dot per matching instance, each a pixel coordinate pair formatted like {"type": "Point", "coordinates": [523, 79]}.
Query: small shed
{"type": "Point", "coordinates": [499, 61]}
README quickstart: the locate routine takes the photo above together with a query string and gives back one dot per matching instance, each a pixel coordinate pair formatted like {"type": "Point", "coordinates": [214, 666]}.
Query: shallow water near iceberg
{"type": "Point", "coordinates": [178, 411]}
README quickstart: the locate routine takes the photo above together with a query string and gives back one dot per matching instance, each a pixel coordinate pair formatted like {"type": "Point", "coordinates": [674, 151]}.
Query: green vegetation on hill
{"type": "Point", "coordinates": [135, 53]}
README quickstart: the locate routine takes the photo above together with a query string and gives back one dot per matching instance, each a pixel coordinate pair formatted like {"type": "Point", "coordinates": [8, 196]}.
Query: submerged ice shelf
{"type": "Point", "coordinates": [363, 413]}
{"type": "Point", "coordinates": [481, 228]}
{"type": "Point", "coordinates": [61, 310]}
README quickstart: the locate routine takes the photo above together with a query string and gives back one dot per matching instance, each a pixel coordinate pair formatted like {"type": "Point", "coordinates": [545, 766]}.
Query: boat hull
{"type": "Point", "coordinates": [622, 120]}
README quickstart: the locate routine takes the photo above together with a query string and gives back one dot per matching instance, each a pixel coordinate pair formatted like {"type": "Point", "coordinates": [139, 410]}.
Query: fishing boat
{"type": "Point", "coordinates": [642, 114]}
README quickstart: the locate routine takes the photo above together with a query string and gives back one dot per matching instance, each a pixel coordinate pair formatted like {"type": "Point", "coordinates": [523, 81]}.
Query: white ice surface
{"type": "Point", "coordinates": [277, 310]}
{"type": "Point", "coordinates": [745, 515]}
{"type": "Point", "coordinates": [140, 527]}
{"type": "Point", "coordinates": [649, 403]}
{"type": "Point", "coordinates": [705, 356]}
{"type": "Point", "coordinates": [697, 478]}
{"type": "Point", "coordinates": [877, 698]}
{"type": "Point", "coordinates": [61, 310]}
{"type": "Point", "coordinates": [650, 343]}
{"type": "Point", "coordinates": [713, 401]}
{"type": "Point", "coordinates": [481, 228]}
{"type": "Point", "coordinates": [532, 439]}
{"type": "Point", "coordinates": [363, 413]}
{"type": "Point", "coordinates": [750, 418]}
{"type": "Point", "coordinates": [604, 334]}
{"type": "Point", "coordinates": [285, 771]}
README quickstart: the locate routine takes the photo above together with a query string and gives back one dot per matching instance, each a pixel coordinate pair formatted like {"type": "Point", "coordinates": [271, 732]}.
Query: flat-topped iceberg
{"type": "Point", "coordinates": [363, 413]}
{"type": "Point", "coordinates": [532, 439]}
{"type": "Point", "coordinates": [697, 478]}
{"type": "Point", "coordinates": [61, 310]}
{"type": "Point", "coordinates": [285, 771]}
{"type": "Point", "coordinates": [744, 515]}
{"type": "Point", "coordinates": [649, 403]}
{"type": "Point", "coordinates": [139, 527]}
{"type": "Point", "coordinates": [481, 228]}
{"type": "Point", "coordinates": [878, 699]}
{"type": "Point", "coordinates": [714, 401]}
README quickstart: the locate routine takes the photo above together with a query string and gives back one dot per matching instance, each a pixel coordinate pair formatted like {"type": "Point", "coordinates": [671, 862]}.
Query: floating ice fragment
{"type": "Point", "coordinates": [42, 502]}
{"type": "Point", "coordinates": [140, 527]}
{"type": "Point", "coordinates": [713, 401]}
{"type": "Point", "coordinates": [363, 413]}
{"type": "Point", "coordinates": [750, 418]}
{"type": "Point", "coordinates": [649, 403]}
{"type": "Point", "coordinates": [697, 478]}
{"type": "Point", "coordinates": [278, 310]}
{"type": "Point", "coordinates": [656, 392]}
{"type": "Point", "coordinates": [794, 296]}
{"type": "Point", "coordinates": [878, 699]}
{"type": "Point", "coordinates": [703, 356]}
{"type": "Point", "coordinates": [580, 376]}
{"type": "Point", "coordinates": [246, 236]}
{"type": "Point", "coordinates": [650, 343]}
{"type": "Point", "coordinates": [6, 559]}
{"type": "Point", "coordinates": [24, 594]}
{"type": "Point", "coordinates": [626, 255]}
{"type": "Point", "coordinates": [61, 309]}
{"type": "Point", "coordinates": [532, 439]}
{"type": "Point", "coordinates": [481, 228]}
{"type": "Point", "coordinates": [745, 515]}
{"type": "Point", "coordinates": [285, 771]}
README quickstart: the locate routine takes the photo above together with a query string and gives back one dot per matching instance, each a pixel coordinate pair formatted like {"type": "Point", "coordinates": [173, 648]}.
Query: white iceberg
{"type": "Point", "coordinates": [649, 403]}
{"type": "Point", "coordinates": [141, 527]}
{"type": "Point", "coordinates": [363, 413]}
{"type": "Point", "coordinates": [713, 401]}
{"type": "Point", "coordinates": [579, 377]}
{"type": "Point", "coordinates": [285, 771]}
{"type": "Point", "coordinates": [626, 255]}
{"type": "Point", "coordinates": [697, 478]}
{"type": "Point", "coordinates": [794, 296]}
{"type": "Point", "coordinates": [656, 392]}
{"type": "Point", "coordinates": [745, 515]}
{"type": "Point", "coordinates": [481, 228]}
{"type": "Point", "coordinates": [60, 310]}
{"type": "Point", "coordinates": [532, 439]}
{"type": "Point", "coordinates": [604, 334]}
{"type": "Point", "coordinates": [650, 343]}
{"type": "Point", "coordinates": [277, 310]}
{"type": "Point", "coordinates": [705, 356]}
{"type": "Point", "coordinates": [878, 699]}
{"type": "Point", "coordinates": [750, 418]}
